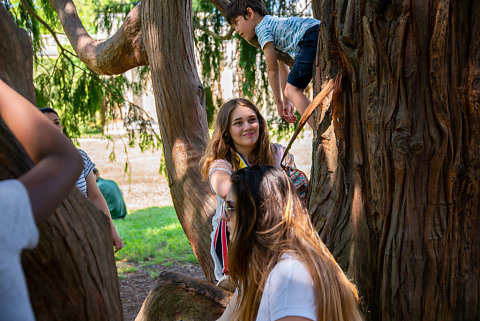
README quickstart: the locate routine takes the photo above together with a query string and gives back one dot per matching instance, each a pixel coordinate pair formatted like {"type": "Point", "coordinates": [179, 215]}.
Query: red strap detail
{"type": "Point", "coordinates": [224, 248]}
{"type": "Point", "coordinates": [216, 233]}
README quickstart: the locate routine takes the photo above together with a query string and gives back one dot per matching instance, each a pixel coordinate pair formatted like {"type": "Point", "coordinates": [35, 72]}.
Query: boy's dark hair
{"type": "Point", "coordinates": [239, 8]}
{"type": "Point", "coordinates": [47, 110]}
{"type": "Point", "coordinates": [95, 171]}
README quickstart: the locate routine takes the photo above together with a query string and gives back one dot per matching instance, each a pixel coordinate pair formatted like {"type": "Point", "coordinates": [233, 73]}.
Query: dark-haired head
{"type": "Point", "coordinates": [264, 197]}
{"type": "Point", "coordinates": [53, 116]}
{"type": "Point", "coordinates": [268, 222]}
{"type": "Point", "coordinates": [239, 8]}
{"type": "Point", "coordinates": [47, 110]}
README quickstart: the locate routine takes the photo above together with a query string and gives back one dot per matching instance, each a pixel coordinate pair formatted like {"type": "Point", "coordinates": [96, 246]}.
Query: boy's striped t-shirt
{"type": "Point", "coordinates": [88, 166]}
{"type": "Point", "coordinates": [285, 33]}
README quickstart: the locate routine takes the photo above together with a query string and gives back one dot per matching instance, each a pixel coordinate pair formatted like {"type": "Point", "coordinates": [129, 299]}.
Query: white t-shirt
{"type": "Point", "coordinates": [288, 292]}
{"type": "Point", "coordinates": [17, 231]}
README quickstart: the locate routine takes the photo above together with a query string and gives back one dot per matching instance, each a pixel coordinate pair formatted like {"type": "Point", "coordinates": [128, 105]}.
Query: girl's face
{"type": "Point", "coordinates": [230, 213]}
{"type": "Point", "coordinates": [244, 127]}
{"type": "Point", "coordinates": [55, 120]}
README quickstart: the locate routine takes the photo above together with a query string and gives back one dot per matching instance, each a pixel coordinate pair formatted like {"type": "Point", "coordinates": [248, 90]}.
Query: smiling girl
{"type": "Point", "coordinates": [240, 139]}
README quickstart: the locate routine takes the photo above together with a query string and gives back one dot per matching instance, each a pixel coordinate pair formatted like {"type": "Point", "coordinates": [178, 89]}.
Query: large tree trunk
{"type": "Point", "coordinates": [71, 274]}
{"type": "Point", "coordinates": [16, 57]}
{"type": "Point", "coordinates": [395, 182]}
{"type": "Point", "coordinates": [180, 103]}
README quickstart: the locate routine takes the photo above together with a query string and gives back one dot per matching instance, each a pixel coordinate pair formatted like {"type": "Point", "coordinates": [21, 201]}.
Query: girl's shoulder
{"type": "Point", "coordinates": [222, 165]}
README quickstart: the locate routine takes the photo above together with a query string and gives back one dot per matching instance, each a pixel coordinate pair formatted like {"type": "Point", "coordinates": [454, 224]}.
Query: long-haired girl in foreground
{"type": "Point", "coordinates": [278, 262]}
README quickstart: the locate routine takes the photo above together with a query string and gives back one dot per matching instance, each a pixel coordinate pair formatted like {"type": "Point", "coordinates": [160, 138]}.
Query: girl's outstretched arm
{"type": "Point", "coordinates": [94, 195]}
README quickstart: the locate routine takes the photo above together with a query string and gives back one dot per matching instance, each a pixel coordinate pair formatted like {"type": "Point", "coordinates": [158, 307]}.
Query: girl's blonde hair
{"type": "Point", "coordinates": [271, 221]}
{"type": "Point", "coordinates": [221, 145]}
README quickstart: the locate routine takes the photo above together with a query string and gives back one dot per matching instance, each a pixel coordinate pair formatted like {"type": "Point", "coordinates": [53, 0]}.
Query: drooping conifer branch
{"type": "Point", "coordinates": [46, 25]}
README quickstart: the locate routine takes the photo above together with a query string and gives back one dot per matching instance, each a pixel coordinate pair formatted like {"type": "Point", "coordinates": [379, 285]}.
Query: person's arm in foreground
{"type": "Point", "coordinates": [57, 162]}
{"type": "Point", "coordinates": [94, 195]}
{"type": "Point", "coordinates": [230, 309]}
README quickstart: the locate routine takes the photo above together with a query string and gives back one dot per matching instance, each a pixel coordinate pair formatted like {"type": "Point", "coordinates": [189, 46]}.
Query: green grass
{"type": "Point", "coordinates": [152, 236]}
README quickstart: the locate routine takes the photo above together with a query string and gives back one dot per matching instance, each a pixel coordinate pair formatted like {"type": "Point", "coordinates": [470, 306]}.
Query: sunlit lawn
{"type": "Point", "coordinates": [152, 236]}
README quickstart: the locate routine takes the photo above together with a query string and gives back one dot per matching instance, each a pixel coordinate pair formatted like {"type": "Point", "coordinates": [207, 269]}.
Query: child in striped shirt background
{"type": "Point", "coordinates": [295, 36]}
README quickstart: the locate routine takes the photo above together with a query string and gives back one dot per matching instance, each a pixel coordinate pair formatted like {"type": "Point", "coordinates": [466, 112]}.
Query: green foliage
{"type": "Point", "coordinates": [210, 107]}
{"type": "Point", "coordinates": [81, 96]}
{"type": "Point", "coordinates": [24, 20]}
{"type": "Point", "coordinates": [153, 236]}
{"type": "Point", "coordinates": [111, 14]}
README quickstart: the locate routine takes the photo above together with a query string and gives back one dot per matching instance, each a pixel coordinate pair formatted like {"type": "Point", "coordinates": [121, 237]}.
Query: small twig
{"type": "Point", "coordinates": [306, 6]}
{"type": "Point", "coordinates": [228, 36]}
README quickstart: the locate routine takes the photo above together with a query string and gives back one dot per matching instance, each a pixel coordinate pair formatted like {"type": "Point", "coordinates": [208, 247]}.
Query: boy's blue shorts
{"type": "Point", "coordinates": [302, 70]}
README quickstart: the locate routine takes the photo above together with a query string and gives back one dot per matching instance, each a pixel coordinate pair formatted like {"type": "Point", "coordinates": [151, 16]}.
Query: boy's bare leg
{"type": "Point", "coordinates": [300, 101]}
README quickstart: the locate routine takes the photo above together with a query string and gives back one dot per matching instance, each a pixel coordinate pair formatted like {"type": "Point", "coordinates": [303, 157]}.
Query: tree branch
{"type": "Point", "coordinates": [46, 25]}
{"type": "Point", "coordinates": [221, 5]}
{"type": "Point", "coordinates": [121, 52]}
{"type": "Point", "coordinates": [228, 36]}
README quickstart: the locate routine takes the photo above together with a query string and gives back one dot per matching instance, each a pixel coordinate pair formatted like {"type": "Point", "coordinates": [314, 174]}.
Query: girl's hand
{"type": "Point", "coordinates": [117, 241]}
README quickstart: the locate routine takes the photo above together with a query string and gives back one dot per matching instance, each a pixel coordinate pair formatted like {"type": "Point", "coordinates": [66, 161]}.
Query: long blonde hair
{"type": "Point", "coordinates": [271, 221]}
{"type": "Point", "coordinates": [221, 145]}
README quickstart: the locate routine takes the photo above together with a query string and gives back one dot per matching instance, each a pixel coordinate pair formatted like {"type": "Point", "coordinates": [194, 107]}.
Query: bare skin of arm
{"type": "Point", "coordinates": [97, 198]}
{"type": "Point", "coordinates": [220, 181]}
{"type": "Point", "coordinates": [275, 81]}
{"type": "Point", "coordinates": [288, 105]}
{"type": "Point", "coordinates": [57, 162]}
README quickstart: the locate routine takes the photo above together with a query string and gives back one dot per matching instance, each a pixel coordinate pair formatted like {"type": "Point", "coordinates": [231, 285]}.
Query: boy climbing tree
{"type": "Point", "coordinates": [295, 36]}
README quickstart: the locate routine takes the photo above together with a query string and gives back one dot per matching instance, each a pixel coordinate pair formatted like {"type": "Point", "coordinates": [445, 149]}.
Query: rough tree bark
{"type": "Point", "coordinates": [16, 57]}
{"type": "Point", "coordinates": [71, 274]}
{"type": "Point", "coordinates": [395, 179]}
{"type": "Point", "coordinates": [180, 103]}
{"type": "Point", "coordinates": [180, 297]}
